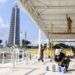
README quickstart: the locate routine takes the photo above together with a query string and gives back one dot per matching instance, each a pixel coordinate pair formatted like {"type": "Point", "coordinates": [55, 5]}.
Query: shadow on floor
{"type": "Point", "coordinates": [70, 70]}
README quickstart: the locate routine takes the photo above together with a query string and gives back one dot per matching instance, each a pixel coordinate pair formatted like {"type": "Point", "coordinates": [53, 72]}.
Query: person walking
{"type": "Point", "coordinates": [42, 53]}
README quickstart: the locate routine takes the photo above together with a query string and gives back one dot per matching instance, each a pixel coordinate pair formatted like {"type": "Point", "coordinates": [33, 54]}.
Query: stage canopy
{"type": "Point", "coordinates": [54, 17]}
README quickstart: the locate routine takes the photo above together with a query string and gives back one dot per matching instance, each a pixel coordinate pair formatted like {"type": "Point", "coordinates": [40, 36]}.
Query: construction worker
{"type": "Point", "coordinates": [42, 53]}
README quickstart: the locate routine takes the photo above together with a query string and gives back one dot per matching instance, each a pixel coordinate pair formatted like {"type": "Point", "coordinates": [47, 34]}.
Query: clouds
{"type": "Point", "coordinates": [3, 1]}
{"type": "Point", "coordinates": [4, 29]}
{"type": "Point", "coordinates": [2, 23]}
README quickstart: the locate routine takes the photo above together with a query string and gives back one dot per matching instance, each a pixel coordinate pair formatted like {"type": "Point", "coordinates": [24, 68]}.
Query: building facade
{"type": "Point", "coordinates": [14, 33]}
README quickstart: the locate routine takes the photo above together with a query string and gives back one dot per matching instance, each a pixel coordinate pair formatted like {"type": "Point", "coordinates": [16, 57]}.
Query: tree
{"type": "Point", "coordinates": [25, 43]}
{"type": "Point", "coordinates": [61, 45]}
{"type": "Point", "coordinates": [0, 41]}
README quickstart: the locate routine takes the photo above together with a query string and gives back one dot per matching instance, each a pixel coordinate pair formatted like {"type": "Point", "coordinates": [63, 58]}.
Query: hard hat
{"type": "Point", "coordinates": [57, 51]}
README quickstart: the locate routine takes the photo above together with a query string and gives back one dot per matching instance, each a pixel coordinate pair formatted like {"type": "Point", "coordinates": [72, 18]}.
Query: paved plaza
{"type": "Point", "coordinates": [32, 67]}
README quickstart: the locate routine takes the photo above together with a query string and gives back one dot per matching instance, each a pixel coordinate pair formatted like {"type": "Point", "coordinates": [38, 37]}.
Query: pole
{"type": "Point", "coordinates": [13, 57]}
{"type": "Point", "coordinates": [3, 58]}
{"type": "Point", "coordinates": [51, 39]}
{"type": "Point", "coordinates": [39, 42]}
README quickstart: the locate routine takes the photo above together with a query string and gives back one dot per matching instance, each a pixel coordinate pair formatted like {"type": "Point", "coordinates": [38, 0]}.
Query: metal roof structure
{"type": "Point", "coordinates": [52, 15]}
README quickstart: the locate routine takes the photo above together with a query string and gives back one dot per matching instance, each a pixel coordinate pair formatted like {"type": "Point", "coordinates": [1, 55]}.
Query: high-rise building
{"type": "Point", "coordinates": [14, 34]}
{"type": "Point", "coordinates": [17, 33]}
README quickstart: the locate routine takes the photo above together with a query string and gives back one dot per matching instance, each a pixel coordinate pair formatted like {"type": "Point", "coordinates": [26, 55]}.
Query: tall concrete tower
{"type": "Point", "coordinates": [14, 34]}
{"type": "Point", "coordinates": [17, 31]}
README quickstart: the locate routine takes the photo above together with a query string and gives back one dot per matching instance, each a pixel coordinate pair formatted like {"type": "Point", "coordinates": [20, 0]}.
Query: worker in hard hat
{"type": "Point", "coordinates": [59, 55]}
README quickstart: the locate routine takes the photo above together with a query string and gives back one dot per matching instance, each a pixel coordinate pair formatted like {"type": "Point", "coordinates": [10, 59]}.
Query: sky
{"type": "Point", "coordinates": [26, 23]}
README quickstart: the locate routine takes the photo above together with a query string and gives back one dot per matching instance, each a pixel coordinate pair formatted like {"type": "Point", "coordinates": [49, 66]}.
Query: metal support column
{"type": "Point", "coordinates": [39, 42]}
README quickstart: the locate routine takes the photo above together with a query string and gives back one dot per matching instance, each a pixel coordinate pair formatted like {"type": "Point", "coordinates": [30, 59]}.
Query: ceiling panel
{"type": "Point", "coordinates": [52, 12]}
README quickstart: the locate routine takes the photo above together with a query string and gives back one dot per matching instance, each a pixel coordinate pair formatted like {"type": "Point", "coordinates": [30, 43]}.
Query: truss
{"type": "Point", "coordinates": [48, 13]}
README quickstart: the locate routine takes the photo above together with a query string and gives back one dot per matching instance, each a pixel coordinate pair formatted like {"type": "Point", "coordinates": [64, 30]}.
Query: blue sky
{"type": "Point", "coordinates": [26, 24]}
